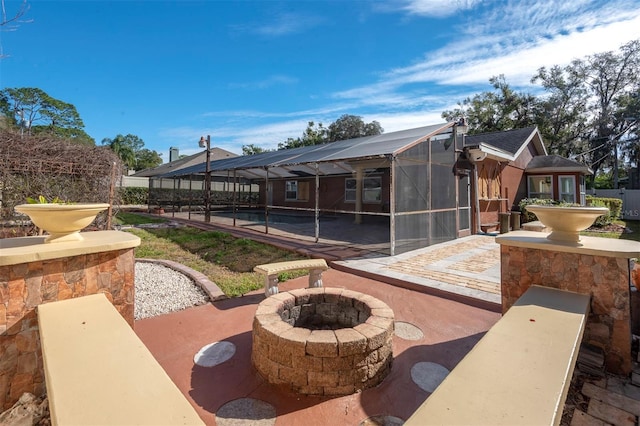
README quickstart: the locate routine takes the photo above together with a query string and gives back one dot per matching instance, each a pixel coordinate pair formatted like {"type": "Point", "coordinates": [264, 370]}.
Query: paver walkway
{"type": "Point", "coordinates": [467, 268]}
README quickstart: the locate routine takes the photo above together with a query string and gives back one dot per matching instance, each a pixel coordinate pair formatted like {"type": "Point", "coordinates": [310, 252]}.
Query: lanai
{"type": "Point", "coordinates": [416, 181]}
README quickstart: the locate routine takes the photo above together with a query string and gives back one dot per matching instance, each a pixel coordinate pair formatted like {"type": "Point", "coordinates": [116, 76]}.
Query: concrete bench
{"type": "Point", "coordinates": [97, 371]}
{"type": "Point", "coordinates": [271, 271]}
{"type": "Point", "coordinates": [485, 227]}
{"type": "Point", "coordinates": [519, 373]}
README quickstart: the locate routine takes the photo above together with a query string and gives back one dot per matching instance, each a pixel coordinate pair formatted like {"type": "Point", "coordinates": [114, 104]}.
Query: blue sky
{"type": "Point", "coordinates": [255, 72]}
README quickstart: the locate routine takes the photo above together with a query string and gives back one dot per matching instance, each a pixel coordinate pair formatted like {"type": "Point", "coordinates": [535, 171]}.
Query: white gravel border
{"type": "Point", "coordinates": [160, 290]}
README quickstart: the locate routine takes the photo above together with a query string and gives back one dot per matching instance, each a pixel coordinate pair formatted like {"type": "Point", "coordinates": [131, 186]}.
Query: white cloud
{"type": "Point", "coordinates": [517, 40]}
{"type": "Point", "coordinates": [287, 23]}
{"type": "Point", "coordinates": [402, 121]}
{"type": "Point", "coordinates": [273, 80]}
{"type": "Point", "coordinates": [510, 38]}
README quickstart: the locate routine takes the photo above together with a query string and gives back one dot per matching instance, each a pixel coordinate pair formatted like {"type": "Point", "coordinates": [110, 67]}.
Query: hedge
{"type": "Point", "coordinates": [613, 204]}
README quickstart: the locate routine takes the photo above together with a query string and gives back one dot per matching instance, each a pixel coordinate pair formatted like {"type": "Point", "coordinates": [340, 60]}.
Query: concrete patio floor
{"type": "Point", "coordinates": [449, 330]}
{"type": "Point", "coordinates": [450, 292]}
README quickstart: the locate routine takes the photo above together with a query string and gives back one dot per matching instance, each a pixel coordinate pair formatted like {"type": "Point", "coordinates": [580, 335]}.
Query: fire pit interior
{"type": "Point", "coordinates": [323, 341]}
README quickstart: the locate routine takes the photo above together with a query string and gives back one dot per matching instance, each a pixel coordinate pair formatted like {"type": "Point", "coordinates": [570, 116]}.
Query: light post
{"type": "Point", "coordinates": [207, 177]}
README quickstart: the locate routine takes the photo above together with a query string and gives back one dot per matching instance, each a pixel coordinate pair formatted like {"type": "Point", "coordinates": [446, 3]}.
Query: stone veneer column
{"type": "Point", "coordinates": [32, 273]}
{"type": "Point", "coordinates": [598, 267]}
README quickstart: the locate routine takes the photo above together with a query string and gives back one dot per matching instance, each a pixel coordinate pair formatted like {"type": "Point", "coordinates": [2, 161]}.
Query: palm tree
{"type": "Point", "coordinates": [122, 149]}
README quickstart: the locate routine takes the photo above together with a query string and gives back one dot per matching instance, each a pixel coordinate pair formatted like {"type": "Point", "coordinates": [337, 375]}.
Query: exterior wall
{"type": "Point", "coordinates": [555, 183]}
{"type": "Point", "coordinates": [332, 193]}
{"type": "Point", "coordinates": [26, 285]}
{"type": "Point", "coordinates": [512, 189]}
{"type": "Point", "coordinates": [605, 279]}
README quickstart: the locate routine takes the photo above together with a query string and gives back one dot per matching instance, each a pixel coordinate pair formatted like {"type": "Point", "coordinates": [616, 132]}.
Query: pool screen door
{"type": "Point", "coordinates": [464, 205]}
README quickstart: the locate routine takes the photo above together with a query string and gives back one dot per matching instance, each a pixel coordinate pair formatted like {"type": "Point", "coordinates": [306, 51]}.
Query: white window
{"type": "Point", "coordinates": [583, 191]}
{"type": "Point", "coordinates": [540, 187]}
{"type": "Point", "coordinates": [567, 186]}
{"type": "Point", "coordinates": [296, 191]}
{"type": "Point", "coordinates": [291, 190]}
{"type": "Point", "coordinates": [371, 190]}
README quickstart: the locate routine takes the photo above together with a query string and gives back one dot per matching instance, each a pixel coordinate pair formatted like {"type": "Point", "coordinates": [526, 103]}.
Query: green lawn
{"type": "Point", "coordinates": [224, 259]}
{"type": "Point", "coordinates": [631, 225]}
{"type": "Point", "coordinates": [229, 261]}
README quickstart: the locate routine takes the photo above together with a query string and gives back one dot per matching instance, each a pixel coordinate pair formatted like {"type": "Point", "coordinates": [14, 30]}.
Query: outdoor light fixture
{"type": "Point", "coordinates": [206, 143]}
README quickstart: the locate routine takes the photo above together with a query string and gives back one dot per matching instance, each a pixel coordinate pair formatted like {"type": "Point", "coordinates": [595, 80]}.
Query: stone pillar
{"type": "Point", "coordinates": [598, 267]}
{"type": "Point", "coordinates": [32, 273]}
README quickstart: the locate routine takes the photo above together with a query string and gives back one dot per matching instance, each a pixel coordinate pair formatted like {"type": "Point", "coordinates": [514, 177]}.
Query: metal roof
{"type": "Point", "coordinates": [181, 163]}
{"type": "Point", "coordinates": [330, 158]}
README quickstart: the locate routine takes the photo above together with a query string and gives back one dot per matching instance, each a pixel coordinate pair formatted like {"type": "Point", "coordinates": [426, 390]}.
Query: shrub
{"type": "Point", "coordinates": [613, 204]}
{"type": "Point", "coordinates": [133, 195]}
{"type": "Point", "coordinates": [527, 216]}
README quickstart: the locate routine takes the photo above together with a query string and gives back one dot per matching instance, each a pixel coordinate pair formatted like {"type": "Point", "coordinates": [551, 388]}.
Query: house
{"type": "Point", "coordinates": [160, 189]}
{"type": "Point", "coordinates": [512, 165]}
{"type": "Point", "coordinates": [428, 185]}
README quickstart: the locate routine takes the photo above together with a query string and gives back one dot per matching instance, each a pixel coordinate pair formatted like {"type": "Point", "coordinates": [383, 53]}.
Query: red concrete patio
{"type": "Point", "coordinates": [450, 329]}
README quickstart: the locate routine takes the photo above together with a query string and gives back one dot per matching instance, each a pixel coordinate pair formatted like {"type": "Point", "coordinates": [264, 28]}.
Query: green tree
{"type": "Point", "coordinates": [147, 159]}
{"type": "Point", "coordinates": [130, 150]}
{"type": "Point", "coordinates": [498, 110]}
{"type": "Point", "coordinates": [252, 149]}
{"type": "Point", "coordinates": [33, 111]}
{"type": "Point", "coordinates": [603, 87]}
{"type": "Point", "coordinates": [562, 113]}
{"type": "Point", "coordinates": [352, 126]}
{"type": "Point", "coordinates": [345, 127]}
{"type": "Point", "coordinates": [314, 134]}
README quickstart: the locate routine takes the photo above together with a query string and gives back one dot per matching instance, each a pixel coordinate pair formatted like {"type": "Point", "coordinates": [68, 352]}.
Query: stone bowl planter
{"type": "Point", "coordinates": [63, 222]}
{"type": "Point", "coordinates": [566, 222]}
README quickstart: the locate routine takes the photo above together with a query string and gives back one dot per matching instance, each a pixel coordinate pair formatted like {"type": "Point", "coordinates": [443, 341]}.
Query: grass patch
{"type": "Point", "coordinates": [125, 218]}
{"type": "Point", "coordinates": [619, 229]}
{"type": "Point", "coordinates": [224, 259]}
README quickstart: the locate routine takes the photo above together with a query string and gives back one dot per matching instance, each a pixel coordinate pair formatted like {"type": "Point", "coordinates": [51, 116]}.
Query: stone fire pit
{"type": "Point", "coordinates": [323, 341]}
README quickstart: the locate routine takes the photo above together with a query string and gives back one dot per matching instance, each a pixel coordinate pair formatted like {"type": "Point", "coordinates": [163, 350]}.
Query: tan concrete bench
{"type": "Point", "coordinates": [485, 227]}
{"type": "Point", "coordinates": [97, 371]}
{"type": "Point", "coordinates": [271, 271]}
{"type": "Point", "coordinates": [519, 373]}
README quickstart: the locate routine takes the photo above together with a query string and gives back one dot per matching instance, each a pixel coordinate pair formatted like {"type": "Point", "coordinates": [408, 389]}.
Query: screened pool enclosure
{"type": "Point", "coordinates": [397, 191]}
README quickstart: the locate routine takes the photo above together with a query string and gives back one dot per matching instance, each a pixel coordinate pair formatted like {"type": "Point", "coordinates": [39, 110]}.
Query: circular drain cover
{"type": "Point", "coordinates": [382, 421]}
{"type": "Point", "coordinates": [428, 375]}
{"type": "Point", "coordinates": [214, 354]}
{"type": "Point", "coordinates": [408, 331]}
{"type": "Point", "coordinates": [246, 411]}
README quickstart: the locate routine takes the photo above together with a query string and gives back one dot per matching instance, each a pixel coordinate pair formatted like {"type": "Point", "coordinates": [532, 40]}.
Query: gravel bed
{"type": "Point", "coordinates": [160, 290]}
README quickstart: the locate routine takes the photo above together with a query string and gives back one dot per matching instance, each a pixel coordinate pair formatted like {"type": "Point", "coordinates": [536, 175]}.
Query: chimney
{"type": "Point", "coordinates": [173, 154]}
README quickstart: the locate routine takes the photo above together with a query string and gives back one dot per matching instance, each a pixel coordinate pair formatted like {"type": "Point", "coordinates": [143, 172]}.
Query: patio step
{"type": "Point", "coordinates": [97, 371]}
{"type": "Point", "coordinates": [520, 371]}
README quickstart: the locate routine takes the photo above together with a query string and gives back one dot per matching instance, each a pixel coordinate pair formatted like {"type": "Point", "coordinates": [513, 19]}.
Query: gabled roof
{"type": "Point", "coordinates": [508, 144]}
{"type": "Point", "coordinates": [555, 163]}
{"type": "Point", "coordinates": [330, 158]}
{"type": "Point", "coordinates": [188, 161]}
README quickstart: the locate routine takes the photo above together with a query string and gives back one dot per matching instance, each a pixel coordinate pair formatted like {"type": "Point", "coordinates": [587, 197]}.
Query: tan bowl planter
{"type": "Point", "coordinates": [63, 222]}
{"type": "Point", "coordinates": [567, 222]}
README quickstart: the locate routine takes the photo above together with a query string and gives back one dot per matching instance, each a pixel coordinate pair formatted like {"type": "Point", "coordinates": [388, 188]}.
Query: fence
{"type": "Point", "coordinates": [630, 200]}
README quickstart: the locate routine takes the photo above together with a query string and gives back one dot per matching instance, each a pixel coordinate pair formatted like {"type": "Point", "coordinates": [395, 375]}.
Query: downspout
{"type": "Point", "coordinates": [477, 197]}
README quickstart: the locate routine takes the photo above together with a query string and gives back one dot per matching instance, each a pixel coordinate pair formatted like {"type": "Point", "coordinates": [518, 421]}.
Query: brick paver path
{"type": "Point", "coordinates": [463, 263]}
